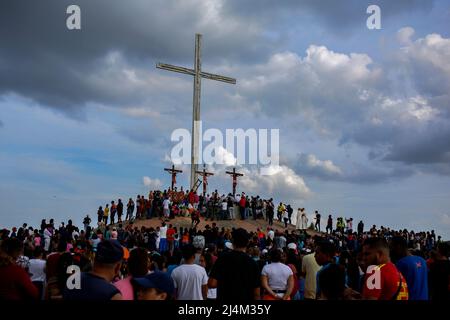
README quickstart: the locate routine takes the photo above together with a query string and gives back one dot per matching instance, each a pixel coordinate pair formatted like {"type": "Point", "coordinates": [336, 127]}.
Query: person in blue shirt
{"type": "Point", "coordinates": [96, 285]}
{"type": "Point", "coordinates": [324, 255]}
{"type": "Point", "coordinates": [413, 268]}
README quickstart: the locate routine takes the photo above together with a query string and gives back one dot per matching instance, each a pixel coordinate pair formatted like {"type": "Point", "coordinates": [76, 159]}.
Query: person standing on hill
{"type": "Point", "coordinates": [242, 204]}
{"type": "Point", "coordinates": [113, 211]}
{"type": "Point", "coordinates": [285, 218]}
{"type": "Point", "coordinates": [130, 209]}
{"type": "Point", "coordinates": [106, 214]}
{"type": "Point", "coordinates": [119, 211]}
{"type": "Point", "coordinates": [100, 215]}
{"type": "Point", "coordinates": [290, 211]}
{"type": "Point", "coordinates": [360, 228]}
{"type": "Point", "coordinates": [138, 204]}
{"type": "Point", "coordinates": [166, 207]}
{"type": "Point", "coordinates": [329, 224]}
{"type": "Point", "coordinates": [302, 220]}
{"type": "Point", "coordinates": [317, 225]}
{"type": "Point", "coordinates": [86, 223]}
{"type": "Point", "coordinates": [270, 211]}
{"type": "Point", "coordinates": [349, 225]}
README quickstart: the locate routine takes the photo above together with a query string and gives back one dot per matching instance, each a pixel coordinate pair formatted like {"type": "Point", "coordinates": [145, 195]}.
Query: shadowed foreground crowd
{"type": "Point", "coordinates": [123, 262]}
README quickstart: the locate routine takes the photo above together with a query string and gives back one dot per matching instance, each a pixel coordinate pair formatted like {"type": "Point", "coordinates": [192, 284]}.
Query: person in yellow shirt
{"type": "Point", "coordinates": [106, 214]}
{"type": "Point", "coordinates": [309, 273]}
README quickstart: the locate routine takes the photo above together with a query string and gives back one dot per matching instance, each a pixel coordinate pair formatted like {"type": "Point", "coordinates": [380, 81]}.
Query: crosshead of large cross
{"type": "Point", "coordinates": [198, 74]}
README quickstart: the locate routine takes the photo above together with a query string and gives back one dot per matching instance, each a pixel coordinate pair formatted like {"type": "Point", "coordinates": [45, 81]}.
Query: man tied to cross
{"type": "Point", "coordinates": [198, 74]}
{"type": "Point", "coordinates": [174, 172]}
{"type": "Point", "coordinates": [205, 175]}
{"type": "Point", "coordinates": [234, 174]}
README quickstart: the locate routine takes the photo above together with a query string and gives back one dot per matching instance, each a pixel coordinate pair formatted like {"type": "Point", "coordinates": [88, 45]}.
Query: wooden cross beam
{"type": "Point", "coordinates": [174, 172]}
{"type": "Point", "coordinates": [198, 74]}
{"type": "Point", "coordinates": [234, 174]}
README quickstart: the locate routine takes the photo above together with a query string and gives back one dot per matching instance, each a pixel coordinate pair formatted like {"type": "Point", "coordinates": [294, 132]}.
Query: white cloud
{"type": "Point", "coordinates": [141, 113]}
{"type": "Point", "coordinates": [284, 183]}
{"type": "Point", "coordinates": [445, 219]}
{"type": "Point", "coordinates": [425, 64]}
{"type": "Point", "coordinates": [404, 35]}
{"type": "Point", "coordinates": [151, 183]}
{"type": "Point", "coordinates": [321, 83]}
{"type": "Point", "coordinates": [325, 61]}
{"type": "Point", "coordinates": [393, 105]}
{"type": "Point", "coordinates": [225, 157]}
{"type": "Point", "coordinates": [311, 162]}
{"type": "Point", "coordinates": [415, 108]}
{"type": "Point", "coordinates": [433, 49]}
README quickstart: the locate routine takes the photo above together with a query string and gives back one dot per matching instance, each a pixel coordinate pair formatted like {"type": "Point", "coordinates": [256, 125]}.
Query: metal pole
{"type": "Point", "coordinates": [196, 111]}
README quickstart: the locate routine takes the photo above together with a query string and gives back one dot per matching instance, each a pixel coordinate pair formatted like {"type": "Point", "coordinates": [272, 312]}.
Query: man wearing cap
{"type": "Point", "coordinates": [154, 286]}
{"type": "Point", "coordinates": [96, 285]}
{"type": "Point", "coordinates": [292, 246]}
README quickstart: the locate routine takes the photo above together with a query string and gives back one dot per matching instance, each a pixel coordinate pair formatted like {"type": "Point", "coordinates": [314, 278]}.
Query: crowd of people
{"type": "Point", "coordinates": [116, 260]}
{"type": "Point", "coordinates": [169, 204]}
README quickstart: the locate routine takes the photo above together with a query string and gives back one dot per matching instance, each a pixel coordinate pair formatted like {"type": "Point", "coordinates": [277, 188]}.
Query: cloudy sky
{"type": "Point", "coordinates": [364, 115]}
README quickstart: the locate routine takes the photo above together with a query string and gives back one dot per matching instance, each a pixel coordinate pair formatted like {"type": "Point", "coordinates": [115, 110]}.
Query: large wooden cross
{"type": "Point", "coordinates": [198, 74]}
{"type": "Point", "coordinates": [174, 172]}
{"type": "Point", "coordinates": [234, 174]}
{"type": "Point", "coordinates": [205, 176]}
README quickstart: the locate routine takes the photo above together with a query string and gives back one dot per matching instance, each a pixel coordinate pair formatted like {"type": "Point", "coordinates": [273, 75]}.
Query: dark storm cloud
{"type": "Point", "coordinates": [41, 59]}
{"type": "Point", "coordinates": [424, 147]}
{"type": "Point", "coordinates": [362, 174]}
{"type": "Point", "coordinates": [310, 166]}
{"type": "Point", "coordinates": [433, 146]}
{"type": "Point", "coordinates": [337, 16]}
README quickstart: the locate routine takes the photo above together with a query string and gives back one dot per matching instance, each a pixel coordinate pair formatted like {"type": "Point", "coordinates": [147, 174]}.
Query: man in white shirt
{"type": "Point", "coordinates": [166, 207]}
{"type": "Point", "coordinates": [163, 245]}
{"type": "Point", "coordinates": [224, 213]}
{"type": "Point", "coordinates": [190, 280]}
{"type": "Point", "coordinates": [236, 205]}
{"type": "Point", "coordinates": [37, 270]}
{"type": "Point", "coordinates": [349, 225]}
{"type": "Point", "coordinates": [285, 216]}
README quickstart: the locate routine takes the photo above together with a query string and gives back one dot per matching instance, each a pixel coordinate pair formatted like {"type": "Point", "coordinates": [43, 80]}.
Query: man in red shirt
{"type": "Point", "coordinates": [242, 203]}
{"type": "Point", "coordinates": [382, 280]}
{"type": "Point", "coordinates": [170, 238]}
{"type": "Point", "coordinates": [15, 283]}
{"type": "Point", "coordinates": [191, 198]}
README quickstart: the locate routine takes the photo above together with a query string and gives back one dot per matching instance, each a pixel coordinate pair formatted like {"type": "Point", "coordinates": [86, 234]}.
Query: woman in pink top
{"type": "Point", "coordinates": [138, 267]}
{"type": "Point", "coordinates": [37, 238]}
